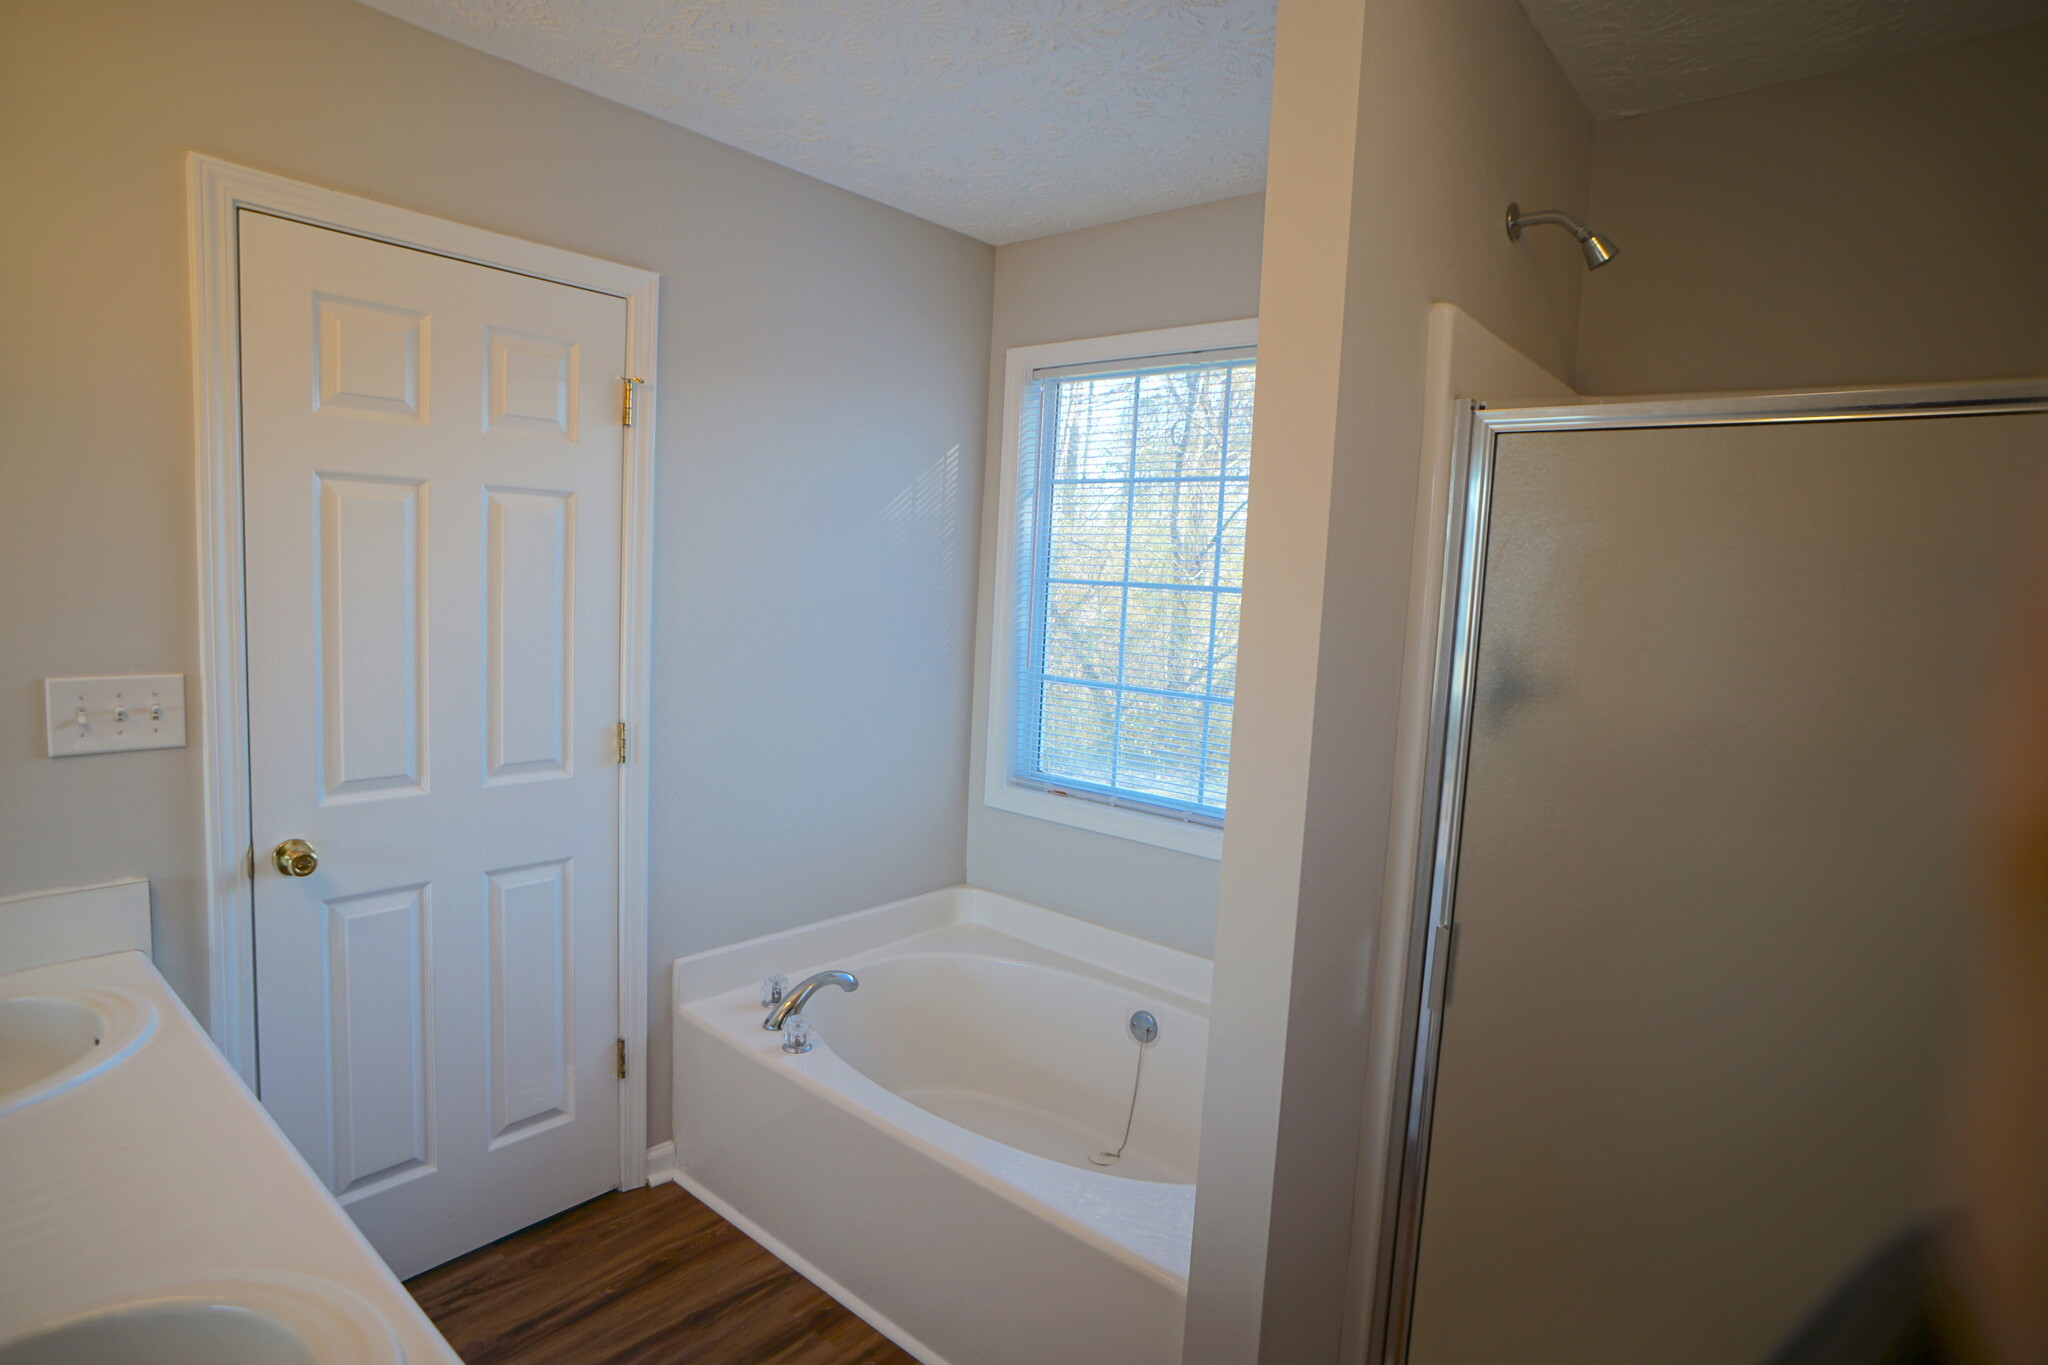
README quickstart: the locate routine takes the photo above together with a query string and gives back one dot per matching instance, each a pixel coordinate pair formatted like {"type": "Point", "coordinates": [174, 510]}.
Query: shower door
{"type": "Point", "coordinates": [1713, 710]}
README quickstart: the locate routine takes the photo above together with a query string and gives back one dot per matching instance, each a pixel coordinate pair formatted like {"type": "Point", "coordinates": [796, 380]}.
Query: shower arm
{"type": "Point", "coordinates": [1517, 220]}
{"type": "Point", "coordinates": [1598, 249]}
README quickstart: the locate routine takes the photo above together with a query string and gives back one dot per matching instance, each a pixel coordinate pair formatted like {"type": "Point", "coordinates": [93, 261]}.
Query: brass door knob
{"type": "Point", "coordinates": [295, 858]}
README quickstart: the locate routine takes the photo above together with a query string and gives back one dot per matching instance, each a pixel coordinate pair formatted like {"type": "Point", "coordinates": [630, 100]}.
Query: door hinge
{"type": "Point", "coordinates": [622, 1059]}
{"type": "Point", "coordinates": [622, 741]}
{"type": "Point", "coordinates": [626, 413]}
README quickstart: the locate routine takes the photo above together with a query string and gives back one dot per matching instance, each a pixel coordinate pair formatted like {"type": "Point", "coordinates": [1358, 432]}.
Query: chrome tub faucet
{"type": "Point", "coordinates": [782, 1006]}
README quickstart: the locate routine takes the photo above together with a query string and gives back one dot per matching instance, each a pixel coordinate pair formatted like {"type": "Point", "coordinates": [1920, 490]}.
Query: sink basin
{"type": "Point", "coordinates": [51, 1040]}
{"type": "Point", "coordinates": [176, 1333]}
{"type": "Point", "coordinates": [259, 1320]}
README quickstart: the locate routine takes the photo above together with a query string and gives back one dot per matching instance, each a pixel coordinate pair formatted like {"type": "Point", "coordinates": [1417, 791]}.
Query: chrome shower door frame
{"type": "Point", "coordinates": [1433, 929]}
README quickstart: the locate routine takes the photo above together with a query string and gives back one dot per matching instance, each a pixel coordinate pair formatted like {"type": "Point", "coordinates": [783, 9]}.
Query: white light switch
{"type": "Point", "coordinates": [108, 715]}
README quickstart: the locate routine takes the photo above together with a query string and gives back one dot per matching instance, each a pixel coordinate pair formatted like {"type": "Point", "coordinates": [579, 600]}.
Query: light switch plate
{"type": "Point", "coordinates": [114, 714]}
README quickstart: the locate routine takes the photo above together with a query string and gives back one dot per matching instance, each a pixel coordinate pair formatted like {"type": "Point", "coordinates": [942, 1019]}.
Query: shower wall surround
{"type": "Point", "coordinates": [1879, 225]}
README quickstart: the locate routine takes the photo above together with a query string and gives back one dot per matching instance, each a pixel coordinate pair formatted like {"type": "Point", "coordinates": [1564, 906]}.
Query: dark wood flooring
{"type": "Point", "coordinates": [640, 1276]}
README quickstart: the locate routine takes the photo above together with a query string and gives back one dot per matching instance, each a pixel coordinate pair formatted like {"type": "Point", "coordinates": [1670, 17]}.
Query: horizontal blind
{"type": "Point", "coordinates": [1131, 536]}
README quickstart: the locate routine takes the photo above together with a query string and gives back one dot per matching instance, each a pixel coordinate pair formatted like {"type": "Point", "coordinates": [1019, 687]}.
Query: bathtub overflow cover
{"type": "Point", "coordinates": [1144, 1027]}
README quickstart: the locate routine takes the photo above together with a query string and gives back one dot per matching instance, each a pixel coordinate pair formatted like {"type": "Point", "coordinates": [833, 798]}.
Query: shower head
{"type": "Point", "coordinates": [1598, 249]}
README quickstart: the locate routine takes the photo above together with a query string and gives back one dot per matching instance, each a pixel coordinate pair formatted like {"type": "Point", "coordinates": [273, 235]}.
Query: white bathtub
{"type": "Point", "coordinates": [927, 1163]}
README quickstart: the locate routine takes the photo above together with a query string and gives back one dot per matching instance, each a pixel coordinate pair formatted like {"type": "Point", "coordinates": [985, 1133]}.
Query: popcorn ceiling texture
{"type": "Point", "coordinates": [1010, 119]}
{"type": "Point", "coordinates": [1632, 56]}
{"type": "Point", "coordinates": [1001, 119]}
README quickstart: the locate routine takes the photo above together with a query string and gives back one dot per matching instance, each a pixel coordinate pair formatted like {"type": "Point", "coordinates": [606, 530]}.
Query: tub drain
{"type": "Point", "coordinates": [1144, 1029]}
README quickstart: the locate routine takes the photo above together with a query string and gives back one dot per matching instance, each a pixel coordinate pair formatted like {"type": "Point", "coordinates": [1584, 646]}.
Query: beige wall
{"type": "Point", "coordinates": [1171, 269]}
{"type": "Point", "coordinates": [817, 485]}
{"type": "Point", "coordinates": [1873, 226]}
{"type": "Point", "coordinates": [1401, 129]}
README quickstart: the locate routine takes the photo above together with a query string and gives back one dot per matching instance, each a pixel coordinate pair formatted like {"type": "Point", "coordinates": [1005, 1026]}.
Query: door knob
{"type": "Point", "coordinates": [295, 858]}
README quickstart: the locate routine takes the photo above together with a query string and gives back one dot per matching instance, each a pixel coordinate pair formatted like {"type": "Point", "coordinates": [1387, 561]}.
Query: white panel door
{"type": "Point", "coordinates": [433, 467]}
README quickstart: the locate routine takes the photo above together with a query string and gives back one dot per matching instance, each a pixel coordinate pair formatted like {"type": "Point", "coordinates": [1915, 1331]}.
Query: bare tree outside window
{"type": "Point", "coordinates": [1134, 501]}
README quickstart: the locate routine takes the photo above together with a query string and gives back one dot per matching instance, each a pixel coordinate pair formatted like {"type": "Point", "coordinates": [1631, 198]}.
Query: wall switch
{"type": "Point", "coordinates": [108, 715]}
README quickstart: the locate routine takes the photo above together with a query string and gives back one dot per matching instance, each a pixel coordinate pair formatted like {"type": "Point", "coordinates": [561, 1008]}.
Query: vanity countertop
{"type": "Point", "coordinates": [160, 1171]}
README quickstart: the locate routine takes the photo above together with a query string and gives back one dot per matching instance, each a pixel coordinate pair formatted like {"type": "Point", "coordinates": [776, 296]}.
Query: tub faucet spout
{"type": "Point", "coordinates": [794, 1002]}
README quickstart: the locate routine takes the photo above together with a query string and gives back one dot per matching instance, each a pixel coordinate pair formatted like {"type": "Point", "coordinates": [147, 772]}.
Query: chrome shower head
{"type": "Point", "coordinates": [1598, 249]}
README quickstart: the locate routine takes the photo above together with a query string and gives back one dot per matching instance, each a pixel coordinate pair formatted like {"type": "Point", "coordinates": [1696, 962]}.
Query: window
{"type": "Point", "coordinates": [1126, 471]}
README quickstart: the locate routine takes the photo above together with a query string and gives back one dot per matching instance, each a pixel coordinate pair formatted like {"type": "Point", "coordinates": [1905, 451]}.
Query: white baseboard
{"type": "Point", "coordinates": [661, 1167]}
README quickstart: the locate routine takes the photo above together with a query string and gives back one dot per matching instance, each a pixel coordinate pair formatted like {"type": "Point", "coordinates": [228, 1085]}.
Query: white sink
{"type": "Point", "coordinates": [50, 1040]}
{"type": "Point", "coordinates": [166, 1334]}
{"type": "Point", "coordinates": [256, 1320]}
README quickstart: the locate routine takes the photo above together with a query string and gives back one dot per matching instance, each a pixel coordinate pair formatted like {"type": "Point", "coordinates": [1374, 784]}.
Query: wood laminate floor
{"type": "Point", "coordinates": [640, 1277]}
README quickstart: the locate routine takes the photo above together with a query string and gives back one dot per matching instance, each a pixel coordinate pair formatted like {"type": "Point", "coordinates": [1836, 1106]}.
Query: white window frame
{"type": "Point", "coordinates": [998, 790]}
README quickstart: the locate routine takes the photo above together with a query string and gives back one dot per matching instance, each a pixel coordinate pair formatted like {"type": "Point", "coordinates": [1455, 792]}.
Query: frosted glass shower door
{"type": "Point", "coordinates": [1714, 888]}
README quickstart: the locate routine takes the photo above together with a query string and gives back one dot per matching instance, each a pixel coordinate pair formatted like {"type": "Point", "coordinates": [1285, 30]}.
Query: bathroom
{"type": "Point", "coordinates": [810, 625]}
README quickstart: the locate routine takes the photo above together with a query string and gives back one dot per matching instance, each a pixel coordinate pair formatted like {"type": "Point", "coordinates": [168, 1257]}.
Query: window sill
{"type": "Point", "coordinates": [1203, 841]}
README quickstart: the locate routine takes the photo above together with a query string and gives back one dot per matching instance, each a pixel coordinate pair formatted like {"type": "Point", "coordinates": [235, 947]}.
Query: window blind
{"type": "Point", "coordinates": [1131, 540]}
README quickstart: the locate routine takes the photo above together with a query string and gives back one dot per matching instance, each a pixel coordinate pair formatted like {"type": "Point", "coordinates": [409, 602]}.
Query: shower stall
{"type": "Point", "coordinates": [1718, 702]}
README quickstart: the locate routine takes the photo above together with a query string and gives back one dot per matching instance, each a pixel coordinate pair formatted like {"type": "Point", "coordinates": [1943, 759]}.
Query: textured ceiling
{"type": "Point", "coordinates": [1003, 119]}
{"type": "Point", "coordinates": [1008, 119]}
{"type": "Point", "coordinates": [1632, 56]}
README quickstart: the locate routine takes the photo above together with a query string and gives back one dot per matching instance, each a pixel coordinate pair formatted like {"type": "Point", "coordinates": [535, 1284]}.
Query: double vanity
{"type": "Point", "coordinates": [150, 1211]}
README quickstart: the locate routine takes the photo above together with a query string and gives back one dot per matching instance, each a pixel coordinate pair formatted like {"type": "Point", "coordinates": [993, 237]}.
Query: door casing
{"type": "Point", "coordinates": [216, 190]}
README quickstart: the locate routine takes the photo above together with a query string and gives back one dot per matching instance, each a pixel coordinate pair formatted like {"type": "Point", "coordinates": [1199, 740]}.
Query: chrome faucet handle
{"type": "Point", "coordinates": [773, 989]}
{"type": "Point", "coordinates": [798, 1035]}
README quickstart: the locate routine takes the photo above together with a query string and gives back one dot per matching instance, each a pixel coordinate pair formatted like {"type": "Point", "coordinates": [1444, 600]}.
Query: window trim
{"type": "Point", "coordinates": [998, 790]}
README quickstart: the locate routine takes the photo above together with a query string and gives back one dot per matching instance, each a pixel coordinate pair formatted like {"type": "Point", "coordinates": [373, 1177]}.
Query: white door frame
{"type": "Point", "coordinates": [216, 190]}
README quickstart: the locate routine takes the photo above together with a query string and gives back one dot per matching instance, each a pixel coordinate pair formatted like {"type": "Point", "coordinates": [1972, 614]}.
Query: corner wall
{"type": "Point", "coordinates": [1171, 269]}
{"type": "Point", "coordinates": [1401, 130]}
{"type": "Point", "coordinates": [1872, 226]}
{"type": "Point", "coordinates": [817, 479]}
{"type": "Point", "coordinates": [1881, 225]}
